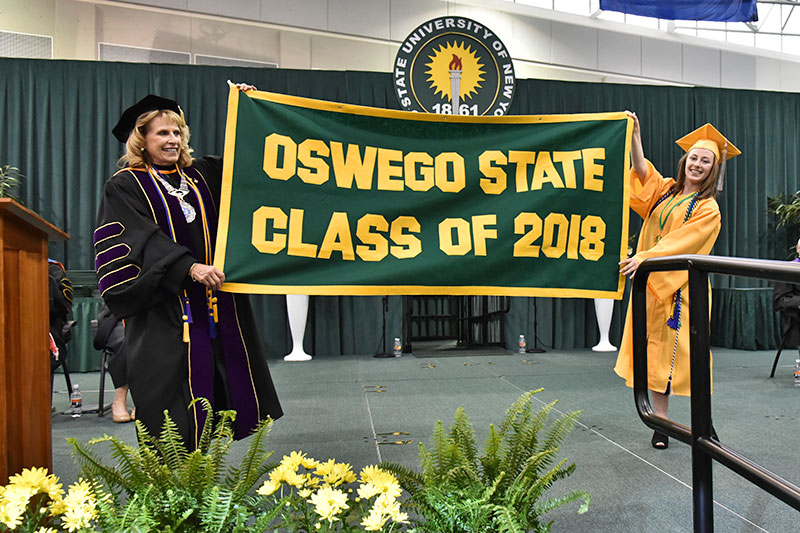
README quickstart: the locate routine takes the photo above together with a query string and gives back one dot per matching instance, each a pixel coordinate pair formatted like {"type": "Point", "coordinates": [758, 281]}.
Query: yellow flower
{"type": "Point", "coordinates": [14, 503]}
{"type": "Point", "coordinates": [384, 481]}
{"type": "Point", "coordinates": [45, 530]}
{"type": "Point", "coordinates": [304, 493]}
{"type": "Point", "coordinates": [367, 490]}
{"type": "Point", "coordinates": [328, 502]}
{"type": "Point", "coordinates": [287, 474]}
{"type": "Point", "coordinates": [335, 473]}
{"type": "Point", "coordinates": [398, 516]}
{"type": "Point", "coordinates": [293, 460]}
{"type": "Point", "coordinates": [386, 504]}
{"type": "Point", "coordinates": [297, 459]}
{"type": "Point", "coordinates": [309, 463]}
{"type": "Point", "coordinates": [12, 510]}
{"type": "Point", "coordinates": [29, 477]}
{"type": "Point", "coordinates": [294, 479]}
{"type": "Point", "coordinates": [374, 521]}
{"type": "Point", "coordinates": [18, 494]}
{"type": "Point", "coordinates": [277, 474]}
{"type": "Point", "coordinates": [80, 506]}
{"type": "Point", "coordinates": [57, 505]}
{"type": "Point", "coordinates": [269, 487]}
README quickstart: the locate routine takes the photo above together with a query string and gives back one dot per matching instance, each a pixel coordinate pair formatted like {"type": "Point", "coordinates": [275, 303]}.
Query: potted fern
{"type": "Point", "coordinates": [161, 486]}
{"type": "Point", "coordinates": [501, 489]}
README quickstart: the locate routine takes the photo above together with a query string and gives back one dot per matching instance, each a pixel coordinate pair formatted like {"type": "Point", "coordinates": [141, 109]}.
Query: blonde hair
{"type": "Point", "coordinates": [135, 154]}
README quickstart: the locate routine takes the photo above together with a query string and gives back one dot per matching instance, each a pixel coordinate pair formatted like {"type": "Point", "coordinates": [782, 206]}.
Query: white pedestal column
{"type": "Point", "coordinates": [604, 308]}
{"type": "Point", "coordinates": [297, 309]}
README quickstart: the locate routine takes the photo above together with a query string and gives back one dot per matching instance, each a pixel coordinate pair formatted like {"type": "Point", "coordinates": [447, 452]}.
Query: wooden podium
{"type": "Point", "coordinates": [25, 435]}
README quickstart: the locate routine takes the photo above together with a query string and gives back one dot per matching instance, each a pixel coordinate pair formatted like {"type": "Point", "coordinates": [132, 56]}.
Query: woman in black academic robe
{"type": "Point", "coordinates": [154, 244]}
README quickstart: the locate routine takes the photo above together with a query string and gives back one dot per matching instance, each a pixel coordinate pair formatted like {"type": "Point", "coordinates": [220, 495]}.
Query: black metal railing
{"type": "Point", "coordinates": [704, 448]}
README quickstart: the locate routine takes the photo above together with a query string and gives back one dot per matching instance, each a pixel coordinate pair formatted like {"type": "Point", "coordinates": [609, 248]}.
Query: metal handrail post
{"type": "Point", "coordinates": [700, 365]}
{"type": "Point", "coordinates": [704, 448]}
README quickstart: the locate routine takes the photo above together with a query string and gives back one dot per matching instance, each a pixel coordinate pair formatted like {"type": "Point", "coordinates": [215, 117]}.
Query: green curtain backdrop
{"type": "Point", "coordinates": [56, 117]}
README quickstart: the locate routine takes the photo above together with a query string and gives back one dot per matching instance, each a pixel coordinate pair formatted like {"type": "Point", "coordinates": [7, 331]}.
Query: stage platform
{"type": "Point", "coordinates": [333, 410]}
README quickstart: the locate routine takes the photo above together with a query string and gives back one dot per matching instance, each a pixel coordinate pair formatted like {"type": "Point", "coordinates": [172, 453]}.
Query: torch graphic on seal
{"type": "Point", "coordinates": [455, 82]}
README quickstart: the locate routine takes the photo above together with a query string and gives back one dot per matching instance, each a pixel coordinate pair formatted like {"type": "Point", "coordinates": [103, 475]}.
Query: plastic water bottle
{"type": "Point", "coordinates": [397, 348]}
{"type": "Point", "coordinates": [523, 346]}
{"type": "Point", "coordinates": [75, 402]}
{"type": "Point", "coordinates": [797, 373]}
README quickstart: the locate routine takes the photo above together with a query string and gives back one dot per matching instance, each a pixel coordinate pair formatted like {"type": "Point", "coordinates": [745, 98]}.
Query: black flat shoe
{"type": "Point", "coordinates": [660, 441]}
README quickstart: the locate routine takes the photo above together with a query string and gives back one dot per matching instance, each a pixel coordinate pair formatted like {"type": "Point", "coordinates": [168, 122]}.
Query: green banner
{"type": "Point", "coordinates": [327, 198]}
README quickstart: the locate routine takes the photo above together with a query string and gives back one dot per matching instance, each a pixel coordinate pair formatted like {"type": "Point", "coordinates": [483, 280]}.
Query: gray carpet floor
{"type": "Point", "coordinates": [349, 408]}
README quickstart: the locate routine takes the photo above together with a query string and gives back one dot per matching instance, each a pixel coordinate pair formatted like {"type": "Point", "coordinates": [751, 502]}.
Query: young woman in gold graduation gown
{"type": "Point", "coordinates": [680, 216]}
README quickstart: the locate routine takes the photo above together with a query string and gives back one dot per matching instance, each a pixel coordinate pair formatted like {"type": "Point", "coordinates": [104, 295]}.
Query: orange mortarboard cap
{"type": "Point", "coordinates": [708, 137]}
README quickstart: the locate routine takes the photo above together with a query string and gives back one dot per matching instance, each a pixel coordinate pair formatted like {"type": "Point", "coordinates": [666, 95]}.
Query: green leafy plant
{"type": "Point", "coordinates": [167, 488]}
{"type": "Point", "coordinates": [501, 489]}
{"type": "Point", "coordinates": [786, 208]}
{"type": "Point", "coordinates": [784, 211]}
{"type": "Point", "coordinates": [10, 178]}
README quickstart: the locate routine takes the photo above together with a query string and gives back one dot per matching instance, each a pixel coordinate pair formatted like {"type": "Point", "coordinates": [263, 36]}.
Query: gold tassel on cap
{"type": "Point", "coordinates": [722, 166]}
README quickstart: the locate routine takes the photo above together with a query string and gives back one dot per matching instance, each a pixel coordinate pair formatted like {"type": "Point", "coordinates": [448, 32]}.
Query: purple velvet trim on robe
{"type": "Point", "coordinates": [107, 231]}
{"type": "Point", "coordinates": [116, 277]}
{"type": "Point", "coordinates": [110, 255]}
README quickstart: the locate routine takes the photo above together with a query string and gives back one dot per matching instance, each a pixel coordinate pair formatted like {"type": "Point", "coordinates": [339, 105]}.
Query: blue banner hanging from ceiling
{"type": "Point", "coordinates": [718, 10]}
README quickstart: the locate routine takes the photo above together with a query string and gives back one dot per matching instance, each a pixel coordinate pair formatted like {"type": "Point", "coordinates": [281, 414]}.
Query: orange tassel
{"type": "Point", "coordinates": [214, 305]}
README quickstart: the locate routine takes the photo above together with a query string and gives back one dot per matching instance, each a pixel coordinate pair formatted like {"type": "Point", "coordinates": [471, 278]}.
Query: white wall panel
{"type": "Point", "coordinates": [144, 29]}
{"type": "Point", "coordinates": [241, 9]}
{"type": "Point", "coordinates": [405, 15]}
{"type": "Point", "coordinates": [74, 35]}
{"type": "Point", "coordinates": [497, 22]}
{"type": "Point", "coordinates": [216, 38]}
{"type": "Point", "coordinates": [573, 45]}
{"type": "Point", "coordinates": [530, 39]}
{"type": "Point", "coordinates": [329, 53]}
{"type": "Point", "coordinates": [701, 66]}
{"type": "Point", "coordinates": [790, 76]}
{"type": "Point", "coordinates": [737, 71]}
{"type": "Point", "coordinates": [300, 13]}
{"type": "Point", "coordinates": [619, 52]}
{"type": "Point", "coordinates": [35, 17]}
{"type": "Point", "coordinates": [661, 60]}
{"type": "Point", "coordinates": [543, 72]}
{"type": "Point", "coordinates": [295, 50]}
{"type": "Point", "coordinates": [768, 74]}
{"type": "Point", "coordinates": [359, 17]}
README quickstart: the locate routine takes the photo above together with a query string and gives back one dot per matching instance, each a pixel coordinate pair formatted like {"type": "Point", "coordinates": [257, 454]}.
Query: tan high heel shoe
{"type": "Point", "coordinates": [122, 419]}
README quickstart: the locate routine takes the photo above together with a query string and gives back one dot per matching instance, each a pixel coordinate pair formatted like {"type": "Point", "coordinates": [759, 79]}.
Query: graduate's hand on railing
{"type": "Point", "coordinates": [628, 266]}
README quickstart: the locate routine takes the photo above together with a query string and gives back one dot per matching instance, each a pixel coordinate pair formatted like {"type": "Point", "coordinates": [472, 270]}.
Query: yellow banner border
{"type": "Point", "coordinates": [382, 290]}
{"type": "Point", "coordinates": [364, 290]}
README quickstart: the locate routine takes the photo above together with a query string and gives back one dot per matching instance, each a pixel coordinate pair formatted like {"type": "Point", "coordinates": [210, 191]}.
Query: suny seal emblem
{"type": "Point", "coordinates": [454, 66]}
